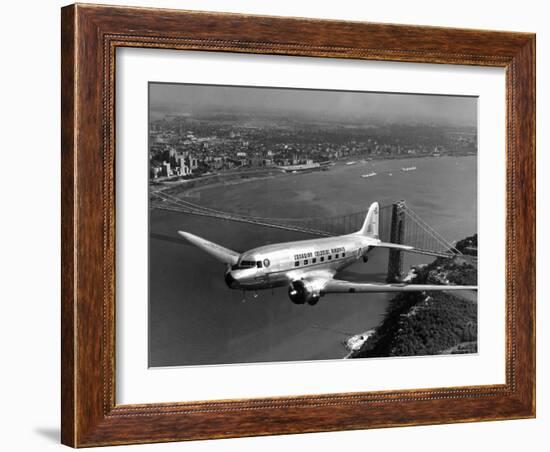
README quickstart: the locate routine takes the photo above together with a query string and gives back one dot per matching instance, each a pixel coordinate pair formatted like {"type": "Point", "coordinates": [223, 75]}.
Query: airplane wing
{"type": "Point", "coordinates": [310, 288]}
{"type": "Point", "coordinates": [218, 252]}
{"type": "Point", "coordinates": [340, 286]}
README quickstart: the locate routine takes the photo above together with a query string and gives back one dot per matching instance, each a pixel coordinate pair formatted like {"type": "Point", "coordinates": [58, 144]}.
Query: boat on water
{"type": "Point", "coordinates": [351, 163]}
{"type": "Point", "coordinates": [408, 168]}
{"type": "Point", "coordinates": [369, 174]}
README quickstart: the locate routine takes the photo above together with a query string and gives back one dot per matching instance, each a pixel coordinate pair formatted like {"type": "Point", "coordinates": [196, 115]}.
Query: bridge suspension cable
{"type": "Point", "coordinates": [431, 232]}
{"type": "Point", "coordinates": [417, 232]}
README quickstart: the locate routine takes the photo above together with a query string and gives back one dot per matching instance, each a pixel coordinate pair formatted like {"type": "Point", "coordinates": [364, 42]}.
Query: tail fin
{"type": "Point", "coordinates": [370, 225]}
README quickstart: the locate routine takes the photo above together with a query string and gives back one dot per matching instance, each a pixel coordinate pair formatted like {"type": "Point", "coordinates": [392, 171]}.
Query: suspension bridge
{"type": "Point", "coordinates": [398, 223]}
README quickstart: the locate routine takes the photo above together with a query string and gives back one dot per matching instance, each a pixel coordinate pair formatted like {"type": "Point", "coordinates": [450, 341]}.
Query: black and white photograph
{"type": "Point", "coordinates": [297, 225]}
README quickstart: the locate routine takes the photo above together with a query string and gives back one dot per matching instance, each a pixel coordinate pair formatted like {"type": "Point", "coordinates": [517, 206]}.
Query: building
{"type": "Point", "coordinates": [155, 169]}
{"type": "Point", "coordinates": [165, 170]}
{"type": "Point", "coordinates": [182, 167]}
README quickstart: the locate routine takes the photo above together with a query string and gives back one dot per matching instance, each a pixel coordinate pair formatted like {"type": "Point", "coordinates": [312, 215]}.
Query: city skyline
{"type": "Point", "coordinates": [221, 128]}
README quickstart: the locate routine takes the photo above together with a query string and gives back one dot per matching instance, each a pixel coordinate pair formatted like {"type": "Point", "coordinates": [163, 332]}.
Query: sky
{"type": "Point", "coordinates": [322, 104]}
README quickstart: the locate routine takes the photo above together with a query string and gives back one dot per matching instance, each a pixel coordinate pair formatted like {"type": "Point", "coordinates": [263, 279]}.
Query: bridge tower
{"type": "Point", "coordinates": [397, 235]}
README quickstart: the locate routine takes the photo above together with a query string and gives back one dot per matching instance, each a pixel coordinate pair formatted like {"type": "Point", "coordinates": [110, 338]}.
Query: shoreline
{"type": "Point", "coordinates": [193, 187]}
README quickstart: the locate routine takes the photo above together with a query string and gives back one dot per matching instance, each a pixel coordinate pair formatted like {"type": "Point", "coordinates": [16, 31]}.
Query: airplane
{"type": "Point", "coordinates": [309, 267]}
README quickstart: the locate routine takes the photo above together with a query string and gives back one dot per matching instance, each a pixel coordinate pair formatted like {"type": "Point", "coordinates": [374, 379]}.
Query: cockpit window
{"type": "Point", "coordinates": [244, 264]}
{"type": "Point", "coordinates": [259, 264]}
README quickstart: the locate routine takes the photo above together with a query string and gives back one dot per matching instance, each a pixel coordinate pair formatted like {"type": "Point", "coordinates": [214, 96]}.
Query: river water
{"type": "Point", "coordinates": [194, 319]}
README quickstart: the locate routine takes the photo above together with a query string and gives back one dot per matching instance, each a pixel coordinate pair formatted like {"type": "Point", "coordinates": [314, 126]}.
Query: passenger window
{"type": "Point", "coordinates": [330, 258]}
{"type": "Point", "coordinates": [306, 262]}
{"type": "Point", "coordinates": [322, 258]}
{"type": "Point", "coordinates": [259, 264]}
{"type": "Point", "coordinates": [313, 260]}
{"type": "Point", "coordinates": [337, 256]}
{"type": "Point", "coordinates": [297, 263]}
{"type": "Point", "coordinates": [343, 254]}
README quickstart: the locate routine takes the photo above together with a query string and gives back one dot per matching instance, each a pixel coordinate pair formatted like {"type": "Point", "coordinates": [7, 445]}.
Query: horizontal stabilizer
{"type": "Point", "coordinates": [218, 252]}
{"type": "Point", "coordinates": [396, 246]}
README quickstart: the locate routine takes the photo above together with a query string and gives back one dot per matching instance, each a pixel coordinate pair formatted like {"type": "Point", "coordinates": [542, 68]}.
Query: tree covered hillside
{"type": "Point", "coordinates": [428, 323]}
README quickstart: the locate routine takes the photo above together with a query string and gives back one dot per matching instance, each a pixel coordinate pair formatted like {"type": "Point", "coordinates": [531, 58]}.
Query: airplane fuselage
{"type": "Point", "coordinates": [309, 267]}
{"type": "Point", "coordinates": [277, 265]}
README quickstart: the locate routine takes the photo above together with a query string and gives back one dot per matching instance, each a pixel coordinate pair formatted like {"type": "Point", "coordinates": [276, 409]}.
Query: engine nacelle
{"type": "Point", "coordinates": [301, 292]}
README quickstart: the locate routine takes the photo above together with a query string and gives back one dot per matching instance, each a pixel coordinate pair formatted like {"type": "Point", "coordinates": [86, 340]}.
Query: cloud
{"type": "Point", "coordinates": [326, 104]}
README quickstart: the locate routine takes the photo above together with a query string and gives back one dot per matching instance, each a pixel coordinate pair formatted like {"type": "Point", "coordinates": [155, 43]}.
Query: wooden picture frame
{"type": "Point", "coordinates": [90, 36]}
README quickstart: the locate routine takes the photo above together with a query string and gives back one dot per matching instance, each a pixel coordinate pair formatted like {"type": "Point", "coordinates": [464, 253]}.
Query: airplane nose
{"type": "Point", "coordinates": [229, 280]}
